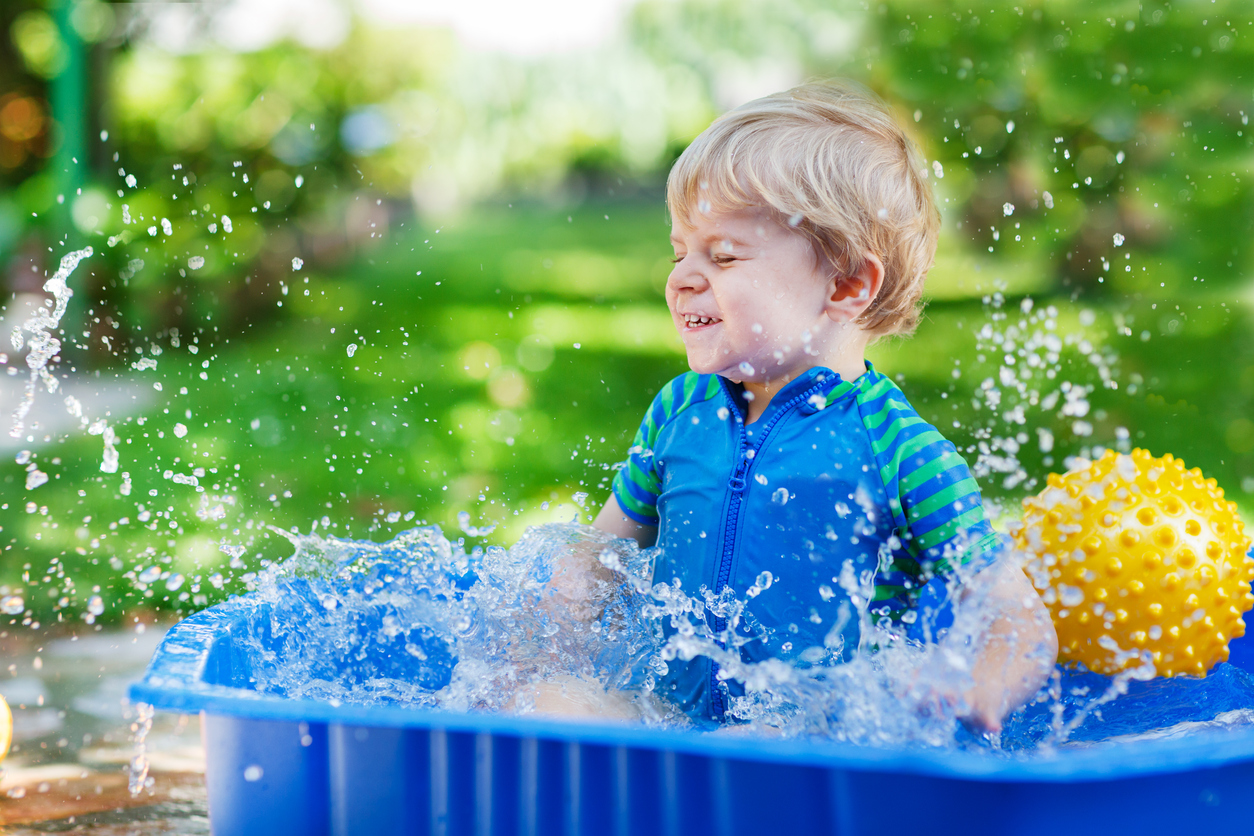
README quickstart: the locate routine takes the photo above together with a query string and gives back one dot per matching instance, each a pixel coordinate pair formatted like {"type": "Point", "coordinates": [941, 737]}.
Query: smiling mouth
{"type": "Point", "coordinates": [692, 321]}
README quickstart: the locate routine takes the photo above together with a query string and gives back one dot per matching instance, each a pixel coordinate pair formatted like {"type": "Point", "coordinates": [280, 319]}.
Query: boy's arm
{"type": "Point", "coordinates": [612, 520]}
{"type": "Point", "coordinates": [1016, 650]}
{"type": "Point", "coordinates": [1012, 646]}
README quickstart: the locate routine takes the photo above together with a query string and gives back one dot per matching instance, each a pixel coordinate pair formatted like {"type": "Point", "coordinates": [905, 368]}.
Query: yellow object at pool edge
{"type": "Point", "coordinates": [6, 728]}
{"type": "Point", "coordinates": [1135, 554]}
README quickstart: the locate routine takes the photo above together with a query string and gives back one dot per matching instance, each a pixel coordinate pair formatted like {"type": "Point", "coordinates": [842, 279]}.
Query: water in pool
{"type": "Point", "coordinates": [567, 622]}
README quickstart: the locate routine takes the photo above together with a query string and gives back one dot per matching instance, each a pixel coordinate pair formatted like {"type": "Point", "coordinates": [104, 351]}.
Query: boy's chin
{"type": "Point", "coordinates": [701, 366]}
{"type": "Point", "coordinates": [719, 369]}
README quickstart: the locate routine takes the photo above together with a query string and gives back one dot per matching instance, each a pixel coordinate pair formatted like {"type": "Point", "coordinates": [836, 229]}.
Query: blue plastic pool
{"type": "Point", "coordinates": [279, 766]}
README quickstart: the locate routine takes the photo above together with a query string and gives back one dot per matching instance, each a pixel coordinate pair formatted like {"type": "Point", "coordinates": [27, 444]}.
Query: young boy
{"type": "Point", "coordinates": [803, 225]}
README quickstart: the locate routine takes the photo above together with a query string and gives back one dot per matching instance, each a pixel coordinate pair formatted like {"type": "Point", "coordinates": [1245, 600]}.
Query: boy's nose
{"type": "Point", "coordinates": [685, 276]}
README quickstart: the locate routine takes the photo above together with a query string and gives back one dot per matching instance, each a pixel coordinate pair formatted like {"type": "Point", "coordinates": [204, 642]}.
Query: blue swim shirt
{"type": "Point", "coordinates": [835, 477]}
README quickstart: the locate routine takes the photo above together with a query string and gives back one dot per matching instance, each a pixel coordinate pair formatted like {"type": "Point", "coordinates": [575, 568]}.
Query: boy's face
{"type": "Point", "coordinates": [746, 295]}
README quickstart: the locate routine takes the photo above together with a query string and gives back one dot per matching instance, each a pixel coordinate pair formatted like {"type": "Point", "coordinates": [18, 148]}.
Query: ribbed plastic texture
{"type": "Point", "coordinates": [278, 767]}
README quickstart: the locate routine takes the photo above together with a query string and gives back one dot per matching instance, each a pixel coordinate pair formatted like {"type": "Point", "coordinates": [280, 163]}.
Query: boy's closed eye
{"type": "Point", "coordinates": [717, 258]}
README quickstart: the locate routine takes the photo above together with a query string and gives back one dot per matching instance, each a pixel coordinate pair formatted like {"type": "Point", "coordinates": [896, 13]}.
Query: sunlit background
{"type": "Point", "coordinates": [371, 264]}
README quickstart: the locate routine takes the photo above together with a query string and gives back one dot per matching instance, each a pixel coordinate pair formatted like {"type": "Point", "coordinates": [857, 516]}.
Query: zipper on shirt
{"type": "Point", "coordinates": [737, 484]}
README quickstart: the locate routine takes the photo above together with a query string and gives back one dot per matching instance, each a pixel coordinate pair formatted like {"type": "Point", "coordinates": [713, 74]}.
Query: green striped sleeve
{"type": "Point", "coordinates": [950, 529]}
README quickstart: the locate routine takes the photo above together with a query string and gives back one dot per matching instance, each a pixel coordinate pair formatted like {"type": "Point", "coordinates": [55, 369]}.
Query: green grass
{"type": "Point", "coordinates": [503, 363]}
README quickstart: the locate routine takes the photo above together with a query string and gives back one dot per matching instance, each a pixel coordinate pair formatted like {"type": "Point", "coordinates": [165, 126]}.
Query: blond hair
{"type": "Point", "coordinates": [833, 163]}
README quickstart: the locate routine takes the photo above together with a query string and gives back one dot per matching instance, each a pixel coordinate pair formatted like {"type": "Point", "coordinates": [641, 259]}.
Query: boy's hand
{"type": "Point", "coordinates": [1015, 652]}
{"type": "Point", "coordinates": [581, 585]}
{"type": "Point", "coordinates": [574, 698]}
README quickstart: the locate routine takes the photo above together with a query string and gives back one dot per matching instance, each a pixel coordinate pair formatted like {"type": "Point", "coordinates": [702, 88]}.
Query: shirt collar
{"type": "Point", "coordinates": [828, 386]}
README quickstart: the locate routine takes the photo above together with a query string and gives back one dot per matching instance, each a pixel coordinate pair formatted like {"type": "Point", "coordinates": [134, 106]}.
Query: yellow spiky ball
{"type": "Point", "coordinates": [1133, 553]}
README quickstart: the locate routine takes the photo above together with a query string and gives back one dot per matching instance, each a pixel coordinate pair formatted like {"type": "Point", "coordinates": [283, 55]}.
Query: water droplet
{"type": "Point", "coordinates": [298, 263]}
{"type": "Point", "coordinates": [746, 368]}
{"type": "Point", "coordinates": [1049, 200]}
{"type": "Point", "coordinates": [196, 262]}
{"type": "Point", "coordinates": [95, 605]}
{"type": "Point", "coordinates": [226, 224]}
{"type": "Point", "coordinates": [174, 582]}
{"type": "Point", "coordinates": [12, 604]}
{"type": "Point", "coordinates": [938, 169]}
{"type": "Point", "coordinates": [150, 574]}
{"type": "Point", "coordinates": [180, 430]}
{"type": "Point", "coordinates": [780, 497]}
{"type": "Point", "coordinates": [1008, 209]}
{"type": "Point", "coordinates": [463, 522]}
{"type": "Point", "coordinates": [166, 226]}
{"type": "Point", "coordinates": [1119, 239]}
{"type": "Point", "coordinates": [253, 773]}
{"type": "Point", "coordinates": [352, 349]}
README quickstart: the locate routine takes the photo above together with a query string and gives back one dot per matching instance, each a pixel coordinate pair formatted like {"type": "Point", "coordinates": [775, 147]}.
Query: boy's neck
{"type": "Point", "coordinates": [849, 365]}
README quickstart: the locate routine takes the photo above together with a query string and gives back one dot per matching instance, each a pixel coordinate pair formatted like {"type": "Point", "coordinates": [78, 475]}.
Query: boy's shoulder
{"type": "Point", "coordinates": [879, 399]}
{"type": "Point", "coordinates": [680, 393]}
{"type": "Point", "coordinates": [896, 429]}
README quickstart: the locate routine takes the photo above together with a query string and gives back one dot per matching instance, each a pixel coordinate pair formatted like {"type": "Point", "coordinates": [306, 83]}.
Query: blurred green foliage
{"type": "Point", "coordinates": [1132, 117]}
{"type": "Point", "coordinates": [475, 321]}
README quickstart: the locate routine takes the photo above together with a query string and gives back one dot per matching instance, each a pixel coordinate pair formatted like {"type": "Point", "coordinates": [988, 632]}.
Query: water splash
{"type": "Point", "coordinates": [568, 622]}
{"type": "Point", "coordinates": [1036, 373]}
{"type": "Point", "coordinates": [41, 337]}
{"type": "Point", "coordinates": [138, 780]}
{"type": "Point", "coordinates": [418, 621]}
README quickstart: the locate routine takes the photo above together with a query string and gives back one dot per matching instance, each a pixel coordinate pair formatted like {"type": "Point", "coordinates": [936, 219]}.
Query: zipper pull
{"type": "Point", "coordinates": [737, 482]}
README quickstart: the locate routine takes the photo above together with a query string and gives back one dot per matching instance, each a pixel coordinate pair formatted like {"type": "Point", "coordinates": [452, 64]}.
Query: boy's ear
{"type": "Point", "coordinates": [851, 295]}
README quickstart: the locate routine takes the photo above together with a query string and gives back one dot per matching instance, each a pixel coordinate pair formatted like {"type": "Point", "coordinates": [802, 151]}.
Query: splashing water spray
{"type": "Point", "coordinates": [567, 621]}
{"type": "Point", "coordinates": [44, 347]}
{"type": "Point", "coordinates": [41, 337]}
{"type": "Point", "coordinates": [138, 780]}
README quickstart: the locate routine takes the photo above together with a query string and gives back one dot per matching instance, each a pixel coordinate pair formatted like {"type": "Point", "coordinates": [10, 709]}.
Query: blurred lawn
{"type": "Point", "coordinates": [501, 365]}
